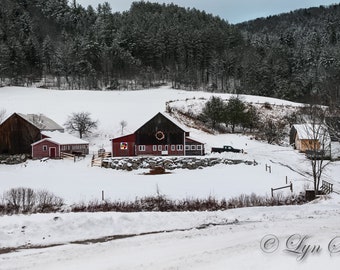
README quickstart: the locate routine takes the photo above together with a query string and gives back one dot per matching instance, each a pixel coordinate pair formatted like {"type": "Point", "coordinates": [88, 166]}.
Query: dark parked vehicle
{"type": "Point", "coordinates": [226, 148]}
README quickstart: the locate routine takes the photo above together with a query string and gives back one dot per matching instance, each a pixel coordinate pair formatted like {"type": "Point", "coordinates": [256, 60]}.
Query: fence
{"type": "Point", "coordinates": [289, 186]}
{"type": "Point", "coordinates": [64, 155]}
{"type": "Point", "coordinates": [97, 160]}
{"type": "Point", "coordinates": [326, 187]}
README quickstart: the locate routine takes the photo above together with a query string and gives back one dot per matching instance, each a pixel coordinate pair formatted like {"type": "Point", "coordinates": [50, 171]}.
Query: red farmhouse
{"type": "Point", "coordinates": [54, 143]}
{"type": "Point", "coordinates": [159, 136]}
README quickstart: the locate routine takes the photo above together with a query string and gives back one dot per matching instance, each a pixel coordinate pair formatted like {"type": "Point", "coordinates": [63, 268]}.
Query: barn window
{"type": "Point", "coordinates": [172, 147]}
{"type": "Point", "coordinates": [187, 147]}
{"type": "Point", "coordinates": [166, 148]}
{"type": "Point", "coordinates": [193, 147]}
{"type": "Point", "coordinates": [159, 147]}
{"type": "Point", "coordinates": [199, 147]}
{"type": "Point", "coordinates": [141, 147]}
{"type": "Point", "coordinates": [179, 147]}
{"type": "Point", "coordinates": [154, 148]}
{"type": "Point", "coordinates": [44, 147]}
{"type": "Point", "coordinates": [123, 146]}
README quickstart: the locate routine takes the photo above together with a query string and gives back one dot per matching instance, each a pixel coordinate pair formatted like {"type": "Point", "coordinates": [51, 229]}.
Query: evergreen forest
{"type": "Point", "coordinates": [61, 44]}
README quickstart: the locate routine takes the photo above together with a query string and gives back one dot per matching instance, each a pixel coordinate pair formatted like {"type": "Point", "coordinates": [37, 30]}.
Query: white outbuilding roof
{"type": "Point", "coordinates": [61, 138]}
{"type": "Point", "coordinates": [312, 132]}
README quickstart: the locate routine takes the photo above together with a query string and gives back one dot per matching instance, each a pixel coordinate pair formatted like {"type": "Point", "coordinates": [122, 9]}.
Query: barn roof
{"type": "Point", "coordinates": [120, 138]}
{"type": "Point", "coordinates": [41, 121]}
{"type": "Point", "coordinates": [192, 139]}
{"type": "Point", "coordinates": [165, 115]}
{"type": "Point", "coordinates": [61, 138]}
{"type": "Point", "coordinates": [168, 117]}
{"type": "Point", "coordinates": [173, 120]}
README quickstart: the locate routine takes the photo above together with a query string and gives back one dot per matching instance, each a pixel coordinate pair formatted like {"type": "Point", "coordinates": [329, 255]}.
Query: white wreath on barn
{"type": "Point", "coordinates": [160, 135]}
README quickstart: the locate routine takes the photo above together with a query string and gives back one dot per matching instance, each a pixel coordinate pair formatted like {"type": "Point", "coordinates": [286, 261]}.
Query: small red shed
{"type": "Point", "coordinates": [54, 143]}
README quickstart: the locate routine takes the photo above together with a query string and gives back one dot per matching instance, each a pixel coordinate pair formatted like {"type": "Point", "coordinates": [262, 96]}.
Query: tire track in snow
{"type": "Point", "coordinates": [121, 236]}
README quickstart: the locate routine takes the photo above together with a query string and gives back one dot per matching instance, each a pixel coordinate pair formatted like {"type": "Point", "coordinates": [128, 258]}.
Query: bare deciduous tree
{"type": "Point", "coordinates": [318, 143]}
{"type": "Point", "coordinates": [81, 122]}
{"type": "Point", "coordinates": [123, 124]}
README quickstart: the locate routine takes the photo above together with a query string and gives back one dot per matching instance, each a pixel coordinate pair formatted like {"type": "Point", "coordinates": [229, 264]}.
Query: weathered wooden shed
{"type": "Point", "coordinates": [19, 131]}
{"type": "Point", "coordinates": [161, 135]}
{"type": "Point", "coordinates": [306, 137]}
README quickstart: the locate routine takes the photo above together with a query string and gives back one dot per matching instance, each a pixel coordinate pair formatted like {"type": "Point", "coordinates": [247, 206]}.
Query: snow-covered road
{"type": "Point", "coordinates": [233, 245]}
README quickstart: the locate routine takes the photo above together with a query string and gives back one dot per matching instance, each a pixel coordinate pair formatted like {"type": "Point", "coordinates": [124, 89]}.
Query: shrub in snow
{"type": "Point", "coordinates": [163, 204]}
{"type": "Point", "coordinates": [27, 200]}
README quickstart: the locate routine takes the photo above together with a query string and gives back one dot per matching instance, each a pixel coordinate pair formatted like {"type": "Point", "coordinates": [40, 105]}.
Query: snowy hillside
{"type": "Point", "coordinates": [188, 243]}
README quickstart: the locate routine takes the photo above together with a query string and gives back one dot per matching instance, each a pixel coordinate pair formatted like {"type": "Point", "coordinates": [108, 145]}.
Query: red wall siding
{"type": "Point", "coordinates": [135, 150]}
{"type": "Point", "coordinates": [150, 151]}
{"type": "Point", "coordinates": [117, 151]}
{"type": "Point", "coordinates": [38, 149]}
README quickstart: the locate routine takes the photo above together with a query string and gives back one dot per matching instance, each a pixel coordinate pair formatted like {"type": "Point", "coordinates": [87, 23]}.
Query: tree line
{"type": "Point", "coordinates": [293, 56]}
{"type": "Point", "coordinates": [97, 48]}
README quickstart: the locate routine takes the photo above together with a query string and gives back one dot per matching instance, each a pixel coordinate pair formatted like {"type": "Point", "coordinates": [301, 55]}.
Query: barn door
{"type": "Point", "coordinates": [52, 152]}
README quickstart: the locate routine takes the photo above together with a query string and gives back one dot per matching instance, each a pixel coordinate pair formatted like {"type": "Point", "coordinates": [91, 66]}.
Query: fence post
{"type": "Point", "coordinates": [103, 198]}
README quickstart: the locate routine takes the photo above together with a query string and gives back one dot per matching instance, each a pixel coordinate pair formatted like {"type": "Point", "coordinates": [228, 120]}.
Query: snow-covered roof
{"type": "Point", "coordinates": [192, 139]}
{"type": "Point", "coordinates": [61, 138]}
{"type": "Point", "coordinates": [41, 121]}
{"type": "Point", "coordinates": [310, 132]}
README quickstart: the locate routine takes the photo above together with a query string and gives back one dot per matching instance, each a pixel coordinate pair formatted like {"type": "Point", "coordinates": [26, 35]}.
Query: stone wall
{"type": "Point", "coordinates": [169, 163]}
{"type": "Point", "coordinates": [13, 159]}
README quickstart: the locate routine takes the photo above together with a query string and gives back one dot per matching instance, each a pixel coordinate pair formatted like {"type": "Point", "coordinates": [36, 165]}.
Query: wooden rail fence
{"type": "Point", "coordinates": [289, 186]}
{"type": "Point", "coordinates": [64, 155]}
{"type": "Point", "coordinates": [326, 187]}
{"type": "Point", "coordinates": [97, 160]}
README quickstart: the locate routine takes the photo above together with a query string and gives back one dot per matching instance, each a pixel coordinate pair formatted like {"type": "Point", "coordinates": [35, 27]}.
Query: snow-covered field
{"type": "Point", "coordinates": [79, 182]}
{"type": "Point", "coordinates": [231, 245]}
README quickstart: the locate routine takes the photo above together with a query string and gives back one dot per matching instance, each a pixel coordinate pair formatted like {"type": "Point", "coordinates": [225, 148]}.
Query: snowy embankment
{"type": "Point", "coordinates": [201, 240]}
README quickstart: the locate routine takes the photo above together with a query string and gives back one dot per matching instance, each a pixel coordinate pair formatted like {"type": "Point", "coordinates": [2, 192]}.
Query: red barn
{"type": "Point", "coordinates": [54, 143]}
{"type": "Point", "coordinates": [161, 135]}
{"type": "Point", "coordinates": [19, 131]}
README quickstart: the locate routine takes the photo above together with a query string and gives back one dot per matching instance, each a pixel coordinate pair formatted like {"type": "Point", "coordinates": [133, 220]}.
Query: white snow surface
{"type": "Point", "coordinates": [231, 245]}
{"type": "Point", "coordinates": [235, 243]}
{"type": "Point", "coordinates": [63, 138]}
